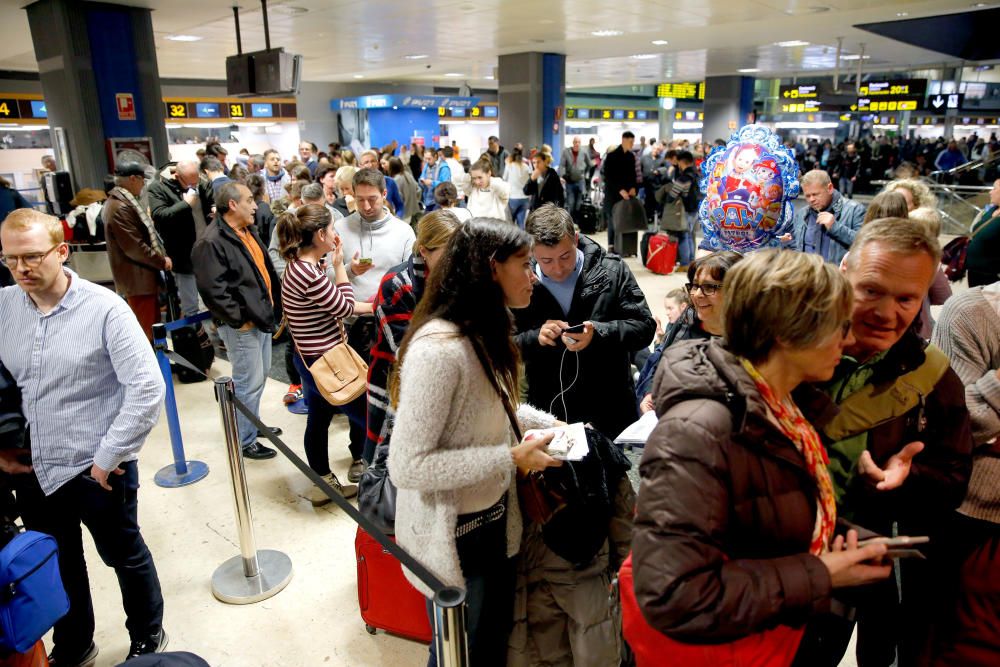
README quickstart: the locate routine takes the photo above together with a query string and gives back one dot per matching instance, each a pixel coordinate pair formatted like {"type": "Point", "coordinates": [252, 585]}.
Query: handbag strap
{"type": "Point", "coordinates": [985, 225]}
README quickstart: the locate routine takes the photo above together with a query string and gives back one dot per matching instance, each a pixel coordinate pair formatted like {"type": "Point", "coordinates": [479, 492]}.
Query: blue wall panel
{"type": "Point", "coordinates": [112, 54]}
{"type": "Point", "coordinates": [384, 125]}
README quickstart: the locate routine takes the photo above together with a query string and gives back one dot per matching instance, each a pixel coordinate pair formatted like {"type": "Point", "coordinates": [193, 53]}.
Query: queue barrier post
{"type": "Point", "coordinates": [182, 472]}
{"type": "Point", "coordinates": [253, 575]}
{"type": "Point", "coordinates": [451, 634]}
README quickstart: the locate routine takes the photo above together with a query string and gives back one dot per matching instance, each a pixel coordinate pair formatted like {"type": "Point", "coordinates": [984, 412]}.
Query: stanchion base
{"type": "Point", "coordinates": [167, 477]}
{"type": "Point", "coordinates": [230, 585]}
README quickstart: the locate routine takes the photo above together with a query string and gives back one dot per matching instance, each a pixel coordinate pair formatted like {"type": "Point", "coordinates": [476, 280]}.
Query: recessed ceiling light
{"type": "Point", "coordinates": [748, 70]}
{"type": "Point", "coordinates": [791, 43]}
{"type": "Point", "coordinates": [453, 74]}
{"type": "Point", "coordinates": [643, 56]}
{"type": "Point", "coordinates": [901, 14]}
{"type": "Point", "coordinates": [606, 33]}
{"type": "Point", "coordinates": [979, 5]}
{"type": "Point", "coordinates": [488, 77]}
{"type": "Point", "coordinates": [416, 56]}
{"type": "Point", "coordinates": [359, 76]}
{"type": "Point", "coordinates": [184, 38]}
{"type": "Point", "coordinates": [854, 56]}
{"type": "Point", "coordinates": [660, 42]}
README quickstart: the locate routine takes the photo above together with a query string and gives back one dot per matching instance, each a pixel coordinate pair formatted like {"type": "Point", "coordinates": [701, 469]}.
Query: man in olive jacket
{"type": "Point", "coordinates": [584, 376]}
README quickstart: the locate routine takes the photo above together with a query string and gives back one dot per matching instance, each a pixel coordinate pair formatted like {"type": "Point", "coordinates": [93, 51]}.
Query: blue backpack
{"type": "Point", "coordinates": [32, 597]}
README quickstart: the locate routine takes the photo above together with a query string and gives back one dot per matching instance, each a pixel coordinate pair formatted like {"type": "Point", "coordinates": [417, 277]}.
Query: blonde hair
{"type": "Point", "coordinates": [922, 195]}
{"type": "Point", "coordinates": [886, 205]}
{"type": "Point", "coordinates": [817, 176]}
{"type": "Point", "coordinates": [22, 219]}
{"type": "Point", "coordinates": [783, 296]}
{"type": "Point", "coordinates": [899, 235]}
{"type": "Point", "coordinates": [435, 229]}
{"type": "Point", "coordinates": [928, 216]}
{"type": "Point", "coordinates": [345, 175]}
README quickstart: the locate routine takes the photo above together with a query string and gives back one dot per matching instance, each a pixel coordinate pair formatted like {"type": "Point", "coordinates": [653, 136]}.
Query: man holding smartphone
{"type": "Point", "coordinates": [899, 448]}
{"type": "Point", "coordinates": [374, 241]}
{"type": "Point", "coordinates": [91, 391]}
{"type": "Point", "coordinates": [588, 305]}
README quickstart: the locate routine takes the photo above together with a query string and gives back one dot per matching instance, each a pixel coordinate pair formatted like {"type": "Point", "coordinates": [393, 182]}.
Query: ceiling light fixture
{"type": "Point", "coordinates": [659, 42]}
{"type": "Point", "coordinates": [489, 77]}
{"type": "Point", "coordinates": [416, 56]}
{"type": "Point", "coordinates": [902, 14]}
{"type": "Point", "coordinates": [359, 76]}
{"type": "Point", "coordinates": [184, 38]}
{"type": "Point", "coordinates": [791, 43]}
{"type": "Point", "coordinates": [748, 70]}
{"type": "Point", "coordinates": [454, 74]}
{"type": "Point", "coordinates": [854, 56]}
{"type": "Point", "coordinates": [606, 33]}
{"type": "Point", "coordinates": [643, 56]}
{"type": "Point", "coordinates": [979, 5]}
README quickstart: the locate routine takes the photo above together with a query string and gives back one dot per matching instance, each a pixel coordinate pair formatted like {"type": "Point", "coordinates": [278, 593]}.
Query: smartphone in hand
{"type": "Point", "coordinates": [901, 546]}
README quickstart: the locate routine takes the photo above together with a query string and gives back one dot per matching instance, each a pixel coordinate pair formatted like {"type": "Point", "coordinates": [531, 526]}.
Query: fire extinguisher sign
{"type": "Point", "coordinates": [126, 106]}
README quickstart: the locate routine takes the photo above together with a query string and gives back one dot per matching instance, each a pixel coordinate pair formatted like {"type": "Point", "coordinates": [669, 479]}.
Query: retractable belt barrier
{"type": "Point", "coordinates": [182, 472]}
{"type": "Point", "coordinates": [257, 575]}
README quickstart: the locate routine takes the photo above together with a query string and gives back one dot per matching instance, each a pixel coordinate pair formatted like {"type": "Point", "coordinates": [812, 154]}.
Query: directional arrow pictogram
{"type": "Point", "coordinates": [937, 102]}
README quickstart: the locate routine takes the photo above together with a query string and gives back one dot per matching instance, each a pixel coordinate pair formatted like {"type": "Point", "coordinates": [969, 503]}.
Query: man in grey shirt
{"type": "Point", "coordinates": [91, 392]}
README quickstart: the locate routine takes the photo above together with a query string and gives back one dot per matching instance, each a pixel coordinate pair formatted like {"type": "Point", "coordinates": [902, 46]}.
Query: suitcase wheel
{"type": "Point", "coordinates": [371, 629]}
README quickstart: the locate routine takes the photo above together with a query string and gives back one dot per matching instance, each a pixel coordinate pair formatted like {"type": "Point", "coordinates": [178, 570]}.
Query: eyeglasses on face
{"type": "Point", "coordinates": [31, 260]}
{"type": "Point", "coordinates": [708, 289]}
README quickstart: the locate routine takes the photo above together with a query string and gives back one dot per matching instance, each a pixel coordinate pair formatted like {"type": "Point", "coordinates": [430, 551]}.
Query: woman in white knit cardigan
{"type": "Point", "coordinates": [452, 457]}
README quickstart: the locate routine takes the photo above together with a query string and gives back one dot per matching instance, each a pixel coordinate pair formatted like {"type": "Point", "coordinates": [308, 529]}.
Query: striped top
{"type": "Point", "coordinates": [91, 389]}
{"type": "Point", "coordinates": [313, 305]}
{"type": "Point", "coordinates": [968, 331]}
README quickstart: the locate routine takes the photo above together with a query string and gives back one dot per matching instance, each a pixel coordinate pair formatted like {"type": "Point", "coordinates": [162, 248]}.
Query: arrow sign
{"type": "Point", "coordinates": [785, 94]}
{"type": "Point", "coordinates": [854, 107]}
{"type": "Point", "coordinates": [937, 102]}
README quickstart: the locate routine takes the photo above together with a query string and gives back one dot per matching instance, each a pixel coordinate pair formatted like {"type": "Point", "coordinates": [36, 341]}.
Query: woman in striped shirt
{"type": "Point", "coordinates": [315, 304]}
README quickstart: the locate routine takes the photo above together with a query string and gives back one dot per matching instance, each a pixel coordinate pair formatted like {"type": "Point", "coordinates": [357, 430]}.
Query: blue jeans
{"type": "Point", "coordinates": [519, 210]}
{"type": "Point", "coordinates": [317, 436]}
{"type": "Point", "coordinates": [187, 290]}
{"type": "Point", "coordinates": [685, 240]}
{"type": "Point", "coordinates": [111, 518]}
{"type": "Point", "coordinates": [847, 187]}
{"type": "Point", "coordinates": [574, 195]}
{"type": "Point", "coordinates": [250, 354]}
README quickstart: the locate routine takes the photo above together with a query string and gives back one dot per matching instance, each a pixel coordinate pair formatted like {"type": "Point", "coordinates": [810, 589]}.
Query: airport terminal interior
{"type": "Point", "coordinates": [866, 91]}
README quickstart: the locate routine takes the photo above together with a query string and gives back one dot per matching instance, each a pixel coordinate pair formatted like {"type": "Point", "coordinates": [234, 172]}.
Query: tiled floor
{"type": "Point", "coordinates": [191, 531]}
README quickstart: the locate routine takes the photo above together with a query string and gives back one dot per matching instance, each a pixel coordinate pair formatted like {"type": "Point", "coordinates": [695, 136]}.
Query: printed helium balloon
{"type": "Point", "coordinates": [749, 185]}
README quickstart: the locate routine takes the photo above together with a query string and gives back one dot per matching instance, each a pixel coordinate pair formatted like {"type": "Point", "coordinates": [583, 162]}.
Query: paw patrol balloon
{"type": "Point", "coordinates": [749, 185]}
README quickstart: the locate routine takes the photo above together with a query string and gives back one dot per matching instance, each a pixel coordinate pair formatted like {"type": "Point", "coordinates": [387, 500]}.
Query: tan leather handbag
{"type": "Point", "coordinates": [341, 375]}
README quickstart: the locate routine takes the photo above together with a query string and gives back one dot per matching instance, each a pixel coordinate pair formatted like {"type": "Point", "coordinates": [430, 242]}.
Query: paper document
{"type": "Point", "coordinates": [638, 432]}
{"type": "Point", "coordinates": [568, 444]}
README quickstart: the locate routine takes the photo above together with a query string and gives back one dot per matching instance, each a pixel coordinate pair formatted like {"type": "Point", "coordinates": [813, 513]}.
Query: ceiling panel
{"type": "Point", "coordinates": [344, 38]}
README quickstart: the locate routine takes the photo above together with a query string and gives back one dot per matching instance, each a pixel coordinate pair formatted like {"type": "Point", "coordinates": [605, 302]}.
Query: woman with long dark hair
{"type": "Point", "coordinates": [316, 307]}
{"type": "Point", "coordinates": [455, 392]}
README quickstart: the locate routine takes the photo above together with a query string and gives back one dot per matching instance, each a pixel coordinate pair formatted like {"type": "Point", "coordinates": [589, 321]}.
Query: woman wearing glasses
{"type": "Point", "coordinates": [703, 320]}
{"type": "Point", "coordinates": [734, 548]}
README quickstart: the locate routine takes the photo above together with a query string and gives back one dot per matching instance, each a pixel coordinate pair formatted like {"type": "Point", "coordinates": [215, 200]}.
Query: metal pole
{"type": "Point", "coordinates": [253, 575]}
{"type": "Point", "coordinates": [861, 59]}
{"type": "Point", "coordinates": [836, 65]}
{"type": "Point", "coordinates": [450, 636]}
{"type": "Point", "coordinates": [239, 38]}
{"type": "Point", "coordinates": [182, 472]}
{"type": "Point", "coordinates": [267, 29]}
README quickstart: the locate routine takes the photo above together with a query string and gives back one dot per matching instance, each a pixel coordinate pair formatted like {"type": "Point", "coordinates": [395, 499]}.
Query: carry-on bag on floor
{"type": "Point", "coordinates": [662, 254]}
{"type": "Point", "coordinates": [587, 217]}
{"type": "Point", "coordinates": [191, 342]}
{"type": "Point", "coordinates": [386, 598]}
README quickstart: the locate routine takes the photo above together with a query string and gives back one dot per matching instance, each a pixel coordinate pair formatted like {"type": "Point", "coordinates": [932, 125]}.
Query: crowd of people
{"type": "Point", "coordinates": [803, 417]}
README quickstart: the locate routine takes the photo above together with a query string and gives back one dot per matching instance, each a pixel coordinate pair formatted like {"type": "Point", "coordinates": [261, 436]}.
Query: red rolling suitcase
{"type": "Point", "coordinates": [386, 599]}
{"type": "Point", "coordinates": [662, 254]}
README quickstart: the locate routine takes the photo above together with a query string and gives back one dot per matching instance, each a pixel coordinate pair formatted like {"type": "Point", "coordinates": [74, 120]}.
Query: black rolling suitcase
{"type": "Point", "coordinates": [587, 216]}
{"type": "Point", "coordinates": [191, 342]}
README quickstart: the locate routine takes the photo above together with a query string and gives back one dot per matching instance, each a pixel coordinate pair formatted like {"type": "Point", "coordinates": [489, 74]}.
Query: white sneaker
{"type": "Point", "coordinates": [318, 498]}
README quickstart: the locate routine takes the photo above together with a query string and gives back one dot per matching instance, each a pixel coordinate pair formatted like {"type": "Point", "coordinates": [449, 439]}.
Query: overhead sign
{"type": "Point", "coordinates": [478, 112]}
{"type": "Point", "coordinates": [807, 106]}
{"type": "Point", "coordinates": [16, 106]}
{"type": "Point", "coordinates": [944, 102]}
{"type": "Point", "coordinates": [689, 115]}
{"type": "Point", "coordinates": [894, 88]}
{"type": "Point", "coordinates": [682, 91]}
{"type": "Point", "coordinates": [887, 104]}
{"type": "Point", "coordinates": [201, 108]}
{"type": "Point", "coordinates": [574, 113]}
{"type": "Point", "coordinates": [803, 92]}
{"type": "Point", "coordinates": [404, 101]}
